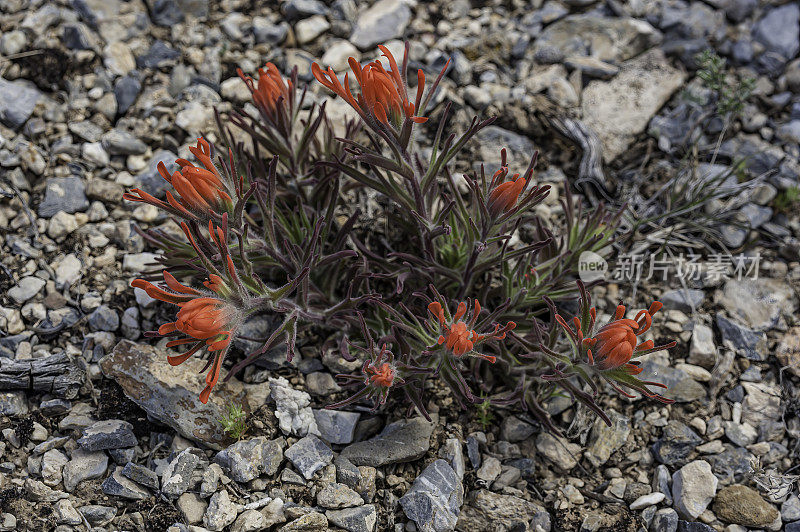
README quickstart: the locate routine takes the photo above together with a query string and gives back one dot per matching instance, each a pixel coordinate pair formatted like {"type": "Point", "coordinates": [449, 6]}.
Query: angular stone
{"type": "Point", "coordinates": [746, 342]}
{"type": "Point", "coordinates": [559, 451]}
{"type": "Point", "coordinates": [401, 441]}
{"type": "Point", "coordinates": [63, 194]}
{"type": "Point", "coordinates": [178, 474]}
{"type": "Point", "coordinates": [361, 519]}
{"type": "Point", "coordinates": [108, 434]}
{"type": "Point", "coordinates": [607, 39]}
{"type": "Point", "coordinates": [335, 496]}
{"type": "Point", "coordinates": [141, 475]}
{"type": "Point", "coordinates": [680, 385]}
{"type": "Point", "coordinates": [493, 511]}
{"type": "Point", "coordinates": [292, 408]}
{"type": "Point", "coordinates": [682, 299]}
{"type": "Point", "coordinates": [121, 486]}
{"type": "Point", "coordinates": [619, 109]}
{"type": "Point", "coordinates": [693, 488]}
{"type": "Point", "coordinates": [309, 455]}
{"type": "Point", "coordinates": [221, 512]}
{"type": "Point", "coordinates": [675, 444]}
{"type": "Point", "coordinates": [249, 459]}
{"type": "Point", "coordinates": [757, 303]}
{"type": "Point", "coordinates": [17, 100]}
{"type": "Point", "coordinates": [434, 500]}
{"type": "Point", "coordinates": [84, 465]}
{"type": "Point", "coordinates": [336, 427]}
{"type": "Point", "coordinates": [605, 440]}
{"type": "Point", "coordinates": [383, 21]}
{"type": "Point", "coordinates": [172, 394]}
{"type": "Point", "coordinates": [779, 30]}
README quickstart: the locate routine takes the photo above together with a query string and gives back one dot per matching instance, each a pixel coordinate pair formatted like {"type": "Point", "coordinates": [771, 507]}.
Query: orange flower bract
{"type": "Point", "coordinates": [383, 95]}
{"type": "Point", "coordinates": [202, 321]}
{"type": "Point", "coordinates": [270, 90]}
{"type": "Point", "coordinates": [459, 337]}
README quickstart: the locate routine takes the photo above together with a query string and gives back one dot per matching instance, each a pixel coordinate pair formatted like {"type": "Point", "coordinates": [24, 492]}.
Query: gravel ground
{"type": "Point", "coordinates": [98, 433]}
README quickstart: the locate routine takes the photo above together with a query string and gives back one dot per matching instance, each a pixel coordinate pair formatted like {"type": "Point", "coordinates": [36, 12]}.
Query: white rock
{"type": "Point", "coordinates": [292, 408]}
{"type": "Point", "coordinates": [221, 512]}
{"type": "Point", "coordinates": [647, 500]}
{"type": "Point", "coordinates": [61, 224]}
{"type": "Point", "coordinates": [693, 488]}
{"type": "Point", "coordinates": [118, 58]}
{"type": "Point", "coordinates": [68, 271]}
{"type": "Point", "coordinates": [26, 289]}
{"type": "Point", "coordinates": [309, 29]}
{"type": "Point", "coordinates": [338, 53]}
{"type": "Point", "coordinates": [620, 109]}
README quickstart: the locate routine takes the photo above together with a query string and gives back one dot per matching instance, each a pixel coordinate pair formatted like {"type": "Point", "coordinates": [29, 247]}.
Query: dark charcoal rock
{"type": "Point", "coordinates": [747, 342]}
{"type": "Point", "coordinates": [104, 318]}
{"type": "Point", "coordinates": [676, 443]}
{"type": "Point", "coordinates": [178, 474]}
{"type": "Point", "coordinates": [142, 475]}
{"type": "Point", "coordinates": [108, 434]}
{"type": "Point", "coordinates": [336, 427]}
{"type": "Point", "coordinates": [683, 300]}
{"type": "Point", "coordinates": [361, 519]}
{"type": "Point", "coordinates": [76, 36]}
{"type": "Point", "coordinates": [733, 464]}
{"type": "Point", "coordinates": [118, 485]}
{"type": "Point", "coordinates": [166, 12]}
{"type": "Point", "coordinates": [693, 526]}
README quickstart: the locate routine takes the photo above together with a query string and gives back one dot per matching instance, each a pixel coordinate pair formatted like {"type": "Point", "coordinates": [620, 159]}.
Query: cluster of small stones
{"type": "Point", "coordinates": [94, 93]}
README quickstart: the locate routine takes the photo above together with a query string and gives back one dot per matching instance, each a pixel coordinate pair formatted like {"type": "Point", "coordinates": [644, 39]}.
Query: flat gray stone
{"type": "Point", "coordinates": [108, 434]}
{"type": "Point", "coordinates": [66, 194]}
{"type": "Point", "coordinates": [249, 459]}
{"type": "Point", "coordinates": [402, 441]}
{"type": "Point", "coordinates": [84, 465]}
{"type": "Point", "coordinates": [361, 519]}
{"type": "Point", "coordinates": [17, 100]}
{"type": "Point", "coordinates": [120, 486]}
{"type": "Point", "coordinates": [434, 500]}
{"type": "Point", "coordinates": [383, 21]}
{"type": "Point", "coordinates": [309, 455]}
{"type": "Point", "coordinates": [336, 427]}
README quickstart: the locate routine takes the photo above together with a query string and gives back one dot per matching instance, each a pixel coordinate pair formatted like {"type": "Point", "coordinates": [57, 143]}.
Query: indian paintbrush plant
{"type": "Point", "coordinates": [440, 277]}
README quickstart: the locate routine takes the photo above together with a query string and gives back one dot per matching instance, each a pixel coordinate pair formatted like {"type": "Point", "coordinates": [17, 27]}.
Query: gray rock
{"type": "Point", "coordinates": [221, 512]}
{"type": "Point", "coordinates": [171, 394]}
{"type": "Point", "coordinates": [451, 451]}
{"type": "Point", "coordinates": [178, 474]}
{"type": "Point", "coordinates": [383, 21]}
{"type": "Point", "coordinates": [13, 403]}
{"type": "Point", "coordinates": [27, 288]}
{"type": "Point", "coordinates": [676, 443]}
{"type": "Point", "coordinates": [559, 451]}
{"type": "Point", "coordinates": [141, 475]}
{"type": "Point", "coordinates": [119, 142]}
{"type": "Point", "coordinates": [66, 514]}
{"type": "Point", "coordinates": [249, 521]}
{"type": "Point", "coordinates": [731, 465]}
{"type": "Point", "coordinates": [702, 350]}
{"type": "Point", "coordinates": [17, 100]}
{"type": "Point", "coordinates": [434, 500]}
{"type": "Point", "coordinates": [665, 520]}
{"type": "Point", "coordinates": [109, 434]}
{"type": "Point", "coordinates": [779, 30]}
{"type": "Point", "coordinates": [361, 519]}
{"type": "Point", "coordinates": [401, 441]}
{"type": "Point", "coordinates": [757, 303]}
{"type": "Point", "coordinates": [121, 486]}
{"type": "Point", "coordinates": [159, 54]}
{"type": "Point", "coordinates": [514, 429]}
{"type": "Point", "coordinates": [335, 496]}
{"type": "Point", "coordinates": [744, 506]}
{"type": "Point", "coordinates": [63, 194]}
{"type": "Point", "coordinates": [492, 139]}
{"type": "Point", "coordinates": [98, 515]}
{"type": "Point", "coordinates": [122, 456]}
{"type": "Point", "coordinates": [489, 470]}
{"type": "Point", "coordinates": [267, 32]}
{"type": "Point", "coordinates": [166, 12]}
{"type": "Point", "coordinates": [608, 39]}
{"type": "Point", "coordinates": [693, 488]}
{"type": "Point", "coordinates": [84, 465]}
{"type": "Point", "coordinates": [661, 481]}
{"type": "Point", "coordinates": [790, 509]}
{"type": "Point", "coordinates": [617, 112]}
{"type": "Point", "coordinates": [309, 455]}
{"type": "Point", "coordinates": [680, 385]}
{"type": "Point", "coordinates": [312, 521]}
{"type": "Point", "coordinates": [605, 440]}
{"type": "Point", "coordinates": [76, 36]}
{"type": "Point", "coordinates": [684, 300]}
{"type": "Point", "coordinates": [335, 426]}
{"type": "Point", "coordinates": [295, 9]}
{"type": "Point", "coordinates": [104, 318]}
{"type": "Point", "coordinates": [746, 342]}
{"type": "Point", "coordinates": [87, 130]}
{"type": "Point", "coordinates": [493, 511]}
{"type": "Point", "coordinates": [249, 459]}
{"type": "Point", "coordinates": [126, 90]}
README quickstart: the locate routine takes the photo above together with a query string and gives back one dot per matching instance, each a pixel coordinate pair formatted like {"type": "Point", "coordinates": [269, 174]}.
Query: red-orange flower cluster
{"type": "Point", "coordinates": [616, 342]}
{"type": "Point", "coordinates": [504, 196]}
{"type": "Point", "coordinates": [203, 321]}
{"type": "Point", "coordinates": [459, 336]}
{"type": "Point", "coordinates": [383, 95]}
{"type": "Point", "coordinates": [270, 91]}
{"type": "Point", "coordinates": [381, 375]}
{"type": "Point", "coordinates": [201, 189]}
